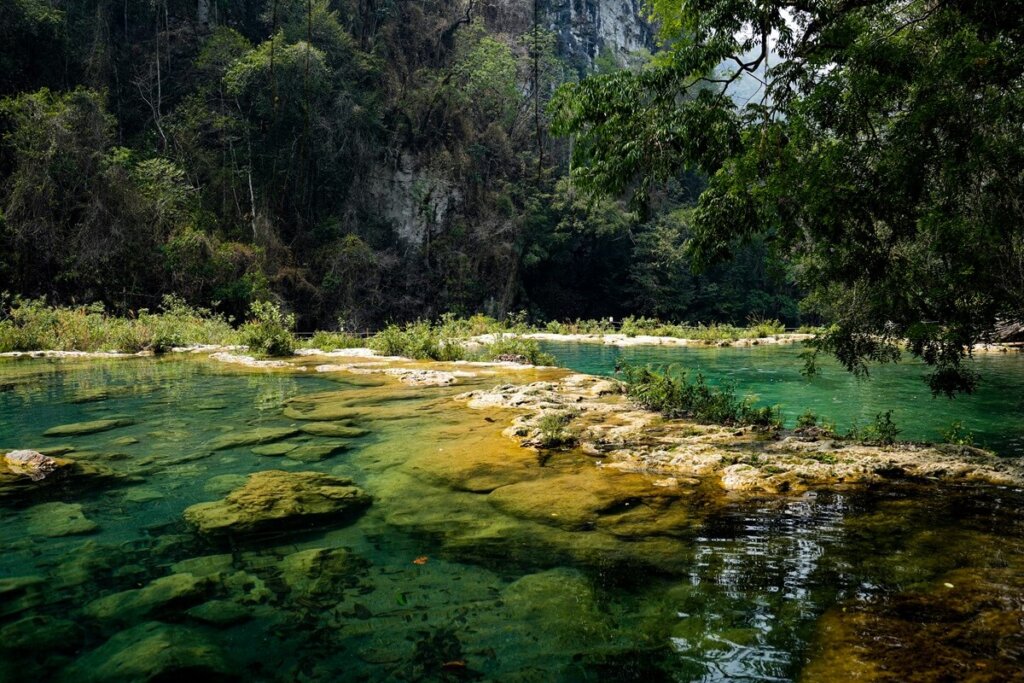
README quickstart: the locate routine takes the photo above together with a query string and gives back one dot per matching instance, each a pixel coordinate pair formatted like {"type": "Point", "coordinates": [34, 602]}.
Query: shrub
{"type": "Point", "coordinates": [807, 419]}
{"type": "Point", "coordinates": [179, 324]}
{"type": "Point", "coordinates": [32, 325]}
{"type": "Point", "coordinates": [269, 330]}
{"type": "Point", "coordinates": [520, 347]}
{"type": "Point", "coordinates": [677, 396]}
{"type": "Point", "coordinates": [554, 432]}
{"type": "Point", "coordinates": [958, 435]}
{"type": "Point", "coordinates": [329, 341]}
{"type": "Point", "coordinates": [419, 340]}
{"type": "Point", "coordinates": [882, 431]}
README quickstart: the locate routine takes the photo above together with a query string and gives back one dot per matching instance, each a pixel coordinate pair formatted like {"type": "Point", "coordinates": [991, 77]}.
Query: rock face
{"type": "Point", "coordinates": [274, 500]}
{"type": "Point", "coordinates": [586, 29]}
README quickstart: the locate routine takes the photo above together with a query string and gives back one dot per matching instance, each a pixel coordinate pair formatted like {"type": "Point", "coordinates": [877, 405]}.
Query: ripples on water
{"type": "Point", "coordinates": [811, 587]}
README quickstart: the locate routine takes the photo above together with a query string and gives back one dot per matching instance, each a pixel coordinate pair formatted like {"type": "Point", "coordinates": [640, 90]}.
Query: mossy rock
{"type": "Point", "coordinates": [275, 500]}
{"type": "Point", "coordinates": [220, 613]}
{"type": "Point", "coordinates": [166, 593]}
{"type": "Point", "coordinates": [320, 571]}
{"type": "Point", "coordinates": [54, 520]}
{"type": "Point", "coordinates": [19, 487]}
{"type": "Point", "coordinates": [251, 437]}
{"type": "Point", "coordinates": [153, 651]}
{"type": "Point", "coordinates": [90, 427]}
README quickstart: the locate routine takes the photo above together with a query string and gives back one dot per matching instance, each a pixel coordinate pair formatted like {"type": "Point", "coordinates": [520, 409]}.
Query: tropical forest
{"type": "Point", "coordinates": [511, 340]}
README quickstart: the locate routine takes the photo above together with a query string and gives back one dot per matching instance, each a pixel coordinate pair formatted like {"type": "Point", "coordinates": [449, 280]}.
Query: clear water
{"type": "Point", "coordinates": [442, 585]}
{"type": "Point", "coordinates": [994, 414]}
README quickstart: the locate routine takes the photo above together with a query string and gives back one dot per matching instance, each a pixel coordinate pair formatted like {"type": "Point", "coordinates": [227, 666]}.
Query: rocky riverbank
{"type": "Point", "coordinates": [595, 416]}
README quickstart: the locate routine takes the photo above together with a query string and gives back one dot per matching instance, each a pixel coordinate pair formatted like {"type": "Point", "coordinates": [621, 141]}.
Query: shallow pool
{"type": "Point", "coordinates": [440, 578]}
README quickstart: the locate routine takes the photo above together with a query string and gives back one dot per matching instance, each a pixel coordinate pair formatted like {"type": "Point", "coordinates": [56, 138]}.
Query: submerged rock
{"type": "Point", "coordinates": [319, 571]}
{"type": "Point", "coordinates": [275, 499]}
{"type": "Point", "coordinates": [220, 612]}
{"type": "Point", "coordinates": [315, 452]}
{"type": "Point", "coordinates": [623, 505]}
{"type": "Point", "coordinates": [223, 483]}
{"type": "Point", "coordinates": [275, 449]}
{"type": "Point", "coordinates": [58, 519]}
{"type": "Point", "coordinates": [91, 427]}
{"type": "Point", "coordinates": [40, 634]}
{"type": "Point", "coordinates": [153, 652]}
{"type": "Point", "coordinates": [168, 592]}
{"type": "Point", "coordinates": [966, 627]}
{"type": "Point", "coordinates": [334, 430]}
{"type": "Point", "coordinates": [557, 606]}
{"type": "Point", "coordinates": [251, 437]}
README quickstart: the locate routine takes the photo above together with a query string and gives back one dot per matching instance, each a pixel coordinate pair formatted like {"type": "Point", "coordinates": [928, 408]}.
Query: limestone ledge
{"type": "Point", "coordinates": [622, 437]}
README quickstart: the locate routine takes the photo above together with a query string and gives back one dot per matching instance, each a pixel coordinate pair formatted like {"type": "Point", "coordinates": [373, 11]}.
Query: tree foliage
{"type": "Point", "coordinates": [883, 155]}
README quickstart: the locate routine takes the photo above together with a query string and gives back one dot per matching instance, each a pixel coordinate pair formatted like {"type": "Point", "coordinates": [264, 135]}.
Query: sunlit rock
{"type": "Point", "coordinates": [31, 464]}
{"type": "Point", "coordinates": [278, 500]}
{"type": "Point", "coordinates": [26, 481]}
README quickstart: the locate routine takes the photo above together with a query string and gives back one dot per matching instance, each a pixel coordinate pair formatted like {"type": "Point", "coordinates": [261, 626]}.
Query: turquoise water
{"type": "Point", "coordinates": [434, 581]}
{"type": "Point", "coordinates": [994, 414]}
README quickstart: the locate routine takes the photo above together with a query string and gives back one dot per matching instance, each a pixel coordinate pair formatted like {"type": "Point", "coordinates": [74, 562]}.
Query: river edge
{"type": "Point", "coordinates": [602, 424]}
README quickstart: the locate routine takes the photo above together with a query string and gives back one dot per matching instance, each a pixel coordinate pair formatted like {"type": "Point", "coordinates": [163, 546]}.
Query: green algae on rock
{"type": "Point", "coordinates": [251, 437]}
{"type": "Point", "coordinates": [90, 427]}
{"type": "Point", "coordinates": [274, 500]}
{"type": "Point", "coordinates": [152, 651]}
{"type": "Point", "coordinates": [315, 452]}
{"type": "Point", "coordinates": [53, 520]}
{"type": "Point", "coordinates": [19, 485]}
{"type": "Point", "coordinates": [165, 593]}
{"type": "Point", "coordinates": [274, 450]}
{"type": "Point", "coordinates": [320, 571]}
{"type": "Point", "coordinates": [331, 429]}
